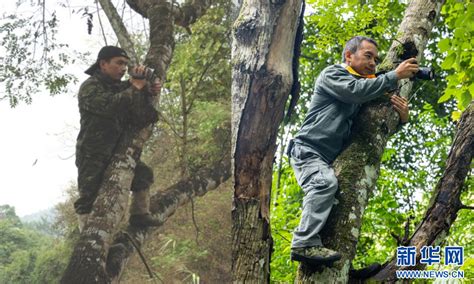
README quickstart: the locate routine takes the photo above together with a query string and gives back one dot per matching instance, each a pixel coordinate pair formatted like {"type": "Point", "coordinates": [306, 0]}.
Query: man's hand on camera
{"type": "Point", "coordinates": [407, 69]}
{"type": "Point", "coordinates": [155, 88]}
{"type": "Point", "coordinates": [400, 104]}
{"type": "Point", "coordinates": [138, 83]}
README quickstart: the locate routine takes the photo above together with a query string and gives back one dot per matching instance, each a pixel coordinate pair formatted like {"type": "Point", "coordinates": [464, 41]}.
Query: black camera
{"type": "Point", "coordinates": [424, 73]}
{"type": "Point", "coordinates": [149, 75]}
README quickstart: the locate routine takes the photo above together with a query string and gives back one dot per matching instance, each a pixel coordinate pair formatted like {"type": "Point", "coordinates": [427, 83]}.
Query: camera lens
{"type": "Point", "coordinates": [425, 73]}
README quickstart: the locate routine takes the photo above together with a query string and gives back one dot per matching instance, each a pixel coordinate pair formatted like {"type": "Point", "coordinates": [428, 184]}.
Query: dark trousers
{"type": "Point", "coordinates": [90, 174]}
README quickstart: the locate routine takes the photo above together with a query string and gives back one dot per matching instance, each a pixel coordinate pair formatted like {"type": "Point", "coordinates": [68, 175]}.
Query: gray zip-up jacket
{"type": "Point", "coordinates": [336, 100]}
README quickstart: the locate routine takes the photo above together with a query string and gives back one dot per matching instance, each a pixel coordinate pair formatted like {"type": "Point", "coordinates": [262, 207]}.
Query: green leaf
{"type": "Point", "coordinates": [471, 89]}
{"type": "Point", "coordinates": [444, 44]}
{"type": "Point", "coordinates": [448, 61]}
{"type": "Point", "coordinates": [464, 100]}
{"type": "Point", "coordinates": [446, 96]}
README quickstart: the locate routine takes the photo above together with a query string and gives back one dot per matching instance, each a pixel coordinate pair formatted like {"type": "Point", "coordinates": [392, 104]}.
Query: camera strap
{"type": "Point", "coordinates": [416, 91]}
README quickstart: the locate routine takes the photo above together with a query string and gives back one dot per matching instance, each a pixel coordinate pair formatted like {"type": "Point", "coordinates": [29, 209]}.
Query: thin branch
{"type": "Point", "coordinates": [278, 233]}
{"type": "Point", "coordinates": [194, 219]}
{"type": "Point", "coordinates": [165, 120]}
{"type": "Point", "coordinates": [45, 32]}
{"type": "Point", "coordinates": [100, 22]}
{"type": "Point", "coordinates": [466, 207]}
{"type": "Point", "coordinates": [397, 238]}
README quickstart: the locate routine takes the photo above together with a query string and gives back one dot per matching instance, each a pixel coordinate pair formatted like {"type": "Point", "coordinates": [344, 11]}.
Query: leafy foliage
{"type": "Point", "coordinates": [28, 256]}
{"type": "Point", "coordinates": [195, 106]}
{"type": "Point", "coordinates": [459, 59]}
{"type": "Point", "coordinates": [285, 216]}
{"type": "Point", "coordinates": [33, 60]}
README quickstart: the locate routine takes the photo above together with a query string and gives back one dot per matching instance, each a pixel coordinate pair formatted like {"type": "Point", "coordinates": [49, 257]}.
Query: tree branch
{"type": "Point", "coordinates": [188, 13]}
{"type": "Point", "coordinates": [100, 22]}
{"type": "Point", "coordinates": [120, 30]}
{"type": "Point", "coordinates": [183, 15]}
{"type": "Point", "coordinates": [442, 211]}
{"type": "Point", "coordinates": [163, 205]}
{"type": "Point", "coordinates": [138, 6]}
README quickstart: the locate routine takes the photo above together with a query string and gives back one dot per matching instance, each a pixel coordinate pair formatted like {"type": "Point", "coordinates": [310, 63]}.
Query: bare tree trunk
{"type": "Point", "coordinates": [88, 261]}
{"type": "Point", "coordinates": [445, 202]}
{"type": "Point", "coordinates": [263, 50]}
{"type": "Point", "coordinates": [357, 168]}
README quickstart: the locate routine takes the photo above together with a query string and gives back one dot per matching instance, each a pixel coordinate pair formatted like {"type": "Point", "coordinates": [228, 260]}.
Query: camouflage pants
{"type": "Point", "coordinates": [90, 174]}
{"type": "Point", "coordinates": [319, 183]}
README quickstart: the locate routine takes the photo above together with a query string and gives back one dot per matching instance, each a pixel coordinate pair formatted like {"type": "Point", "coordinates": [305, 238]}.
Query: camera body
{"type": "Point", "coordinates": [424, 72]}
{"type": "Point", "coordinates": [148, 75]}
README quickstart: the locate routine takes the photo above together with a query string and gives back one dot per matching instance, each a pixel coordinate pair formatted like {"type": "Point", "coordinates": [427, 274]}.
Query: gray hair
{"type": "Point", "coordinates": [354, 43]}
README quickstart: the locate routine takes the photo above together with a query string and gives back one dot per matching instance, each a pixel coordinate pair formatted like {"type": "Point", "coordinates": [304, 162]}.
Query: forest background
{"type": "Point", "coordinates": [194, 132]}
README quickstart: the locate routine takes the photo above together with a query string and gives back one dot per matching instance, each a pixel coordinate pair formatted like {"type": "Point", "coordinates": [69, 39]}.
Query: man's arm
{"type": "Point", "coordinates": [343, 86]}
{"type": "Point", "coordinates": [95, 99]}
{"type": "Point", "coordinates": [142, 111]}
{"type": "Point", "coordinates": [339, 83]}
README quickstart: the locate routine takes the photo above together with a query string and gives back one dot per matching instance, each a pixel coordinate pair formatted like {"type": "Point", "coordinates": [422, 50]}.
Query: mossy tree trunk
{"type": "Point", "coordinates": [357, 168]}
{"type": "Point", "coordinates": [88, 261]}
{"type": "Point", "coordinates": [263, 51]}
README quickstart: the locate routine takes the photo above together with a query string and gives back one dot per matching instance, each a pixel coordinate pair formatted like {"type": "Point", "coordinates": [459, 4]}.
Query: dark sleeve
{"type": "Point", "coordinates": [142, 111]}
{"type": "Point", "coordinates": [94, 98]}
{"type": "Point", "coordinates": [340, 84]}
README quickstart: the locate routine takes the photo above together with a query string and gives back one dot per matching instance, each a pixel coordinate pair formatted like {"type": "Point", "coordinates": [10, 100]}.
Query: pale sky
{"type": "Point", "coordinates": [38, 140]}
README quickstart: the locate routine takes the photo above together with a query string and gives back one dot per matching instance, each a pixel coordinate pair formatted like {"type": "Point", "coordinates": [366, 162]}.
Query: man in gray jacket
{"type": "Point", "coordinates": [339, 92]}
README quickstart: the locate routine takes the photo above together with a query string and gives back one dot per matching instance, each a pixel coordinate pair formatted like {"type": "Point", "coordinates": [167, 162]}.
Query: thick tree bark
{"type": "Point", "coordinates": [357, 168]}
{"type": "Point", "coordinates": [88, 261]}
{"type": "Point", "coordinates": [445, 202]}
{"type": "Point", "coordinates": [263, 49]}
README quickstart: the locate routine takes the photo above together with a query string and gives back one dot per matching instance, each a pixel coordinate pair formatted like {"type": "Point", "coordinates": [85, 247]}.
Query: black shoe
{"type": "Point", "coordinates": [315, 255]}
{"type": "Point", "coordinates": [144, 220]}
{"type": "Point", "coordinates": [366, 272]}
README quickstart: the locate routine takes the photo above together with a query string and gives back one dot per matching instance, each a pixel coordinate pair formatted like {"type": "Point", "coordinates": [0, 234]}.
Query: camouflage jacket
{"type": "Point", "coordinates": [105, 106]}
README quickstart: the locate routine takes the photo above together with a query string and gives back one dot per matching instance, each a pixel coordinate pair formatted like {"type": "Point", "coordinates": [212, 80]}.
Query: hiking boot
{"type": "Point", "coordinates": [143, 220]}
{"type": "Point", "coordinates": [366, 272]}
{"type": "Point", "coordinates": [315, 255]}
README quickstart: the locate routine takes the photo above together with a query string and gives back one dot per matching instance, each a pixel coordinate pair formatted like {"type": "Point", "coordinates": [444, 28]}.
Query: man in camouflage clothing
{"type": "Point", "coordinates": [107, 106]}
